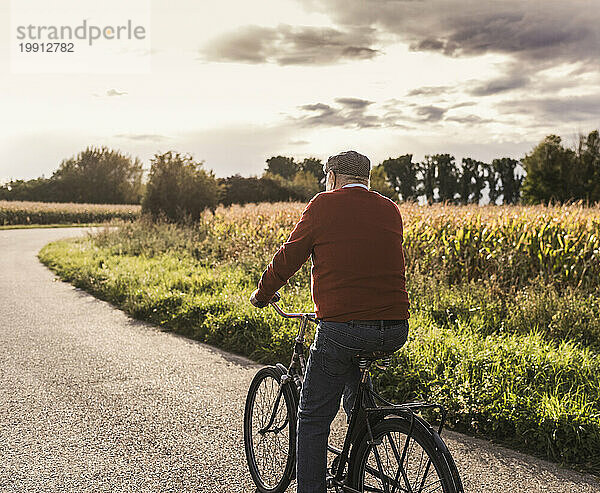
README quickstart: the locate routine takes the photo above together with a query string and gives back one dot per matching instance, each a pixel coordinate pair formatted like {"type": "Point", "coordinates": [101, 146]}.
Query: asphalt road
{"type": "Point", "coordinates": [91, 400]}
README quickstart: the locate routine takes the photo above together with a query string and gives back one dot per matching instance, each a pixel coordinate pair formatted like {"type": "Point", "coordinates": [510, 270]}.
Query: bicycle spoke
{"type": "Point", "coordinates": [401, 470]}
{"type": "Point", "coordinates": [399, 465]}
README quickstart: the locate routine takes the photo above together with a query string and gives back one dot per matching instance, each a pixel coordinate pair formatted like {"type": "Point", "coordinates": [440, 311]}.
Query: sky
{"type": "Point", "coordinates": [235, 82]}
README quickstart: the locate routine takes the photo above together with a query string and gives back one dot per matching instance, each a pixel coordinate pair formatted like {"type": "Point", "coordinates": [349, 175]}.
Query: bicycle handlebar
{"type": "Point", "coordinates": [309, 316]}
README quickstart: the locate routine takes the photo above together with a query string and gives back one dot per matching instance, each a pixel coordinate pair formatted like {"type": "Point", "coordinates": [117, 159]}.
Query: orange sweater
{"type": "Point", "coordinates": [354, 237]}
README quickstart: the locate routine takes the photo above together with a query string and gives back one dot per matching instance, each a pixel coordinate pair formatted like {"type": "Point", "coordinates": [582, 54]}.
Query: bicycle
{"type": "Point", "coordinates": [377, 435]}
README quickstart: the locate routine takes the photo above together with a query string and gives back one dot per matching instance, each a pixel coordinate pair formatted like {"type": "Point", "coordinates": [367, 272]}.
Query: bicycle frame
{"type": "Point", "coordinates": [361, 423]}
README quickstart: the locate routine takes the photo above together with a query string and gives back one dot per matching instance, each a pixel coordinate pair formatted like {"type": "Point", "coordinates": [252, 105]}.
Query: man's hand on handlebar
{"type": "Point", "coordinates": [259, 304]}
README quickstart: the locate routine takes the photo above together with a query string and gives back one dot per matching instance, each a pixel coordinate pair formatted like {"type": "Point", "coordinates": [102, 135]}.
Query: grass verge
{"type": "Point", "coordinates": [527, 387]}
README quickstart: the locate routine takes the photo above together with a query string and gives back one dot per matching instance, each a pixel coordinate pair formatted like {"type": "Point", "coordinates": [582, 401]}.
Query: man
{"type": "Point", "coordinates": [354, 237]}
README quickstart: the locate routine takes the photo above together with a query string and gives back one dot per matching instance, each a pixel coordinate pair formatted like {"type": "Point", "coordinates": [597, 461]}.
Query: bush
{"type": "Point", "coordinates": [178, 188]}
{"type": "Point", "coordinates": [240, 190]}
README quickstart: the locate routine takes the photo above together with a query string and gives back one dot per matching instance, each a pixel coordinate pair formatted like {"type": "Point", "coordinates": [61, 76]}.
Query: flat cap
{"type": "Point", "coordinates": [348, 163]}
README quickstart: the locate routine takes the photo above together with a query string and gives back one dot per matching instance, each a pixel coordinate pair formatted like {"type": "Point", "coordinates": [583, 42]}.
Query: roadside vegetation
{"type": "Point", "coordinates": [505, 307]}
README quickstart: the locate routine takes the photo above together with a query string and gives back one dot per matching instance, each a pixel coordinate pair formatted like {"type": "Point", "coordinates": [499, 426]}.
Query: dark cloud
{"type": "Point", "coordinates": [556, 109]}
{"type": "Point", "coordinates": [352, 113]}
{"type": "Point", "coordinates": [542, 33]}
{"type": "Point", "coordinates": [468, 119]}
{"type": "Point", "coordinates": [430, 91]}
{"type": "Point", "coordinates": [345, 115]}
{"type": "Point", "coordinates": [502, 84]}
{"type": "Point", "coordinates": [316, 107]}
{"type": "Point", "coordinates": [354, 102]}
{"type": "Point", "coordinates": [431, 113]}
{"type": "Point", "coordinates": [463, 104]}
{"type": "Point", "coordinates": [292, 45]}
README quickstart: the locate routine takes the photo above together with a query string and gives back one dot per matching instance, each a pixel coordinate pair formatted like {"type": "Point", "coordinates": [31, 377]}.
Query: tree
{"type": "Point", "coordinates": [471, 181]}
{"type": "Point", "coordinates": [99, 175]}
{"type": "Point", "coordinates": [493, 182]}
{"type": "Point", "coordinates": [510, 183]}
{"type": "Point", "coordinates": [237, 189]}
{"type": "Point", "coordinates": [179, 188]}
{"type": "Point", "coordinates": [38, 189]}
{"type": "Point", "coordinates": [314, 166]}
{"type": "Point", "coordinates": [269, 188]}
{"type": "Point", "coordinates": [282, 166]}
{"type": "Point", "coordinates": [380, 182]}
{"type": "Point", "coordinates": [402, 174]}
{"type": "Point", "coordinates": [305, 185]}
{"type": "Point", "coordinates": [588, 153]}
{"type": "Point", "coordinates": [552, 172]}
{"type": "Point", "coordinates": [277, 189]}
{"type": "Point", "coordinates": [447, 177]}
{"type": "Point", "coordinates": [427, 181]}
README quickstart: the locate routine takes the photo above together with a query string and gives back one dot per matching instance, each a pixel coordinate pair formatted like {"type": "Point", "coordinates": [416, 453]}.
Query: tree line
{"type": "Point", "coordinates": [551, 172]}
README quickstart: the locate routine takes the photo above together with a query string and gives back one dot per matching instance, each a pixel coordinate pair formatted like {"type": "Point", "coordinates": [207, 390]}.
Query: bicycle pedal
{"type": "Point", "coordinates": [332, 483]}
{"type": "Point", "coordinates": [379, 441]}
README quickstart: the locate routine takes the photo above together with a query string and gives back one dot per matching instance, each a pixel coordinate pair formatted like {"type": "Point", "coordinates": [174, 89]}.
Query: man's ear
{"type": "Point", "coordinates": [330, 183]}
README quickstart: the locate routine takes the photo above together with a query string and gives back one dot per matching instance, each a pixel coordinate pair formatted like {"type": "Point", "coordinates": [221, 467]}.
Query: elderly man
{"type": "Point", "coordinates": [354, 237]}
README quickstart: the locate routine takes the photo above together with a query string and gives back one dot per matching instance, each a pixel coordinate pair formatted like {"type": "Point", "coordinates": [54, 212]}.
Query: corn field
{"type": "Point", "coordinates": [510, 245]}
{"type": "Point", "coordinates": [17, 213]}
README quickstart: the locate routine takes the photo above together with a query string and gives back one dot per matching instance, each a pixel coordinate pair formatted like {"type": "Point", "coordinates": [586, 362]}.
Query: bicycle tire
{"type": "Point", "coordinates": [277, 478]}
{"type": "Point", "coordinates": [422, 438]}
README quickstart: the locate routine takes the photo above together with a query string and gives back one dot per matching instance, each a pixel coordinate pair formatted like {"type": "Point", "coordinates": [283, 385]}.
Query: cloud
{"type": "Point", "coordinates": [431, 113]}
{"type": "Point", "coordinates": [354, 103]}
{"type": "Point", "coordinates": [463, 104]}
{"type": "Point", "coordinates": [556, 109]}
{"type": "Point", "coordinates": [114, 92]}
{"type": "Point", "coordinates": [468, 119]}
{"type": "Point", "coordinates": [298, 142]}
{"type": "Point", "coordinates": [143, 137]}
{"type": "Point", "coordinates": [292, 45]}
{"type": "Point", "coordinates": [499, 85]}
{"type": "Point", "coordinates": [352, 113]}
{"type": "Point", "coordinates": [429, 91]}
{"type": "Point", "coordinates": [349, 114]}
{"type": "Point", "coordinates": [541, 33]}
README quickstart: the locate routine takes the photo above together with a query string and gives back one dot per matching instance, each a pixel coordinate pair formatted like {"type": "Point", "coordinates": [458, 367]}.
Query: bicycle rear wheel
{"type": "Point", "coordinates": [270, 431]}
{"type": "Point", "coordinates": [396, 462]}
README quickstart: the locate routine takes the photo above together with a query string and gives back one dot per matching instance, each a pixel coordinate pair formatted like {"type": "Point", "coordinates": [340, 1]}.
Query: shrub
{"type": "Point", "coordinates": [178, 188]}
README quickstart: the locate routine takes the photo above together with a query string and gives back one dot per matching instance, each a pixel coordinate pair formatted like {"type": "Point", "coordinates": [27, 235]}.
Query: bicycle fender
{"type": "Point", "coordinates": [360, 435]}
{"type": "Point", "coordinates": [281, 368]}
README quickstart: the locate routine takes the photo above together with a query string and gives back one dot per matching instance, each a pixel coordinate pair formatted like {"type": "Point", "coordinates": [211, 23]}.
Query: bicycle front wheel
{"type": "Point", "coordinates": [402, 460]}
{"type": "Point", "coordinates": [270, 431]}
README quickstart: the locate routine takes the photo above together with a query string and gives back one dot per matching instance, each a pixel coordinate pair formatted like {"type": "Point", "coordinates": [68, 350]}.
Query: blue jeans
{"type": "Point", "coordinates": [332, 371]}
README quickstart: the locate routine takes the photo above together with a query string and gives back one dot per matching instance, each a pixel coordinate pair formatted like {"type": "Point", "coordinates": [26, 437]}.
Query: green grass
{"type": "Point", "coordinates": [518, 366]}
